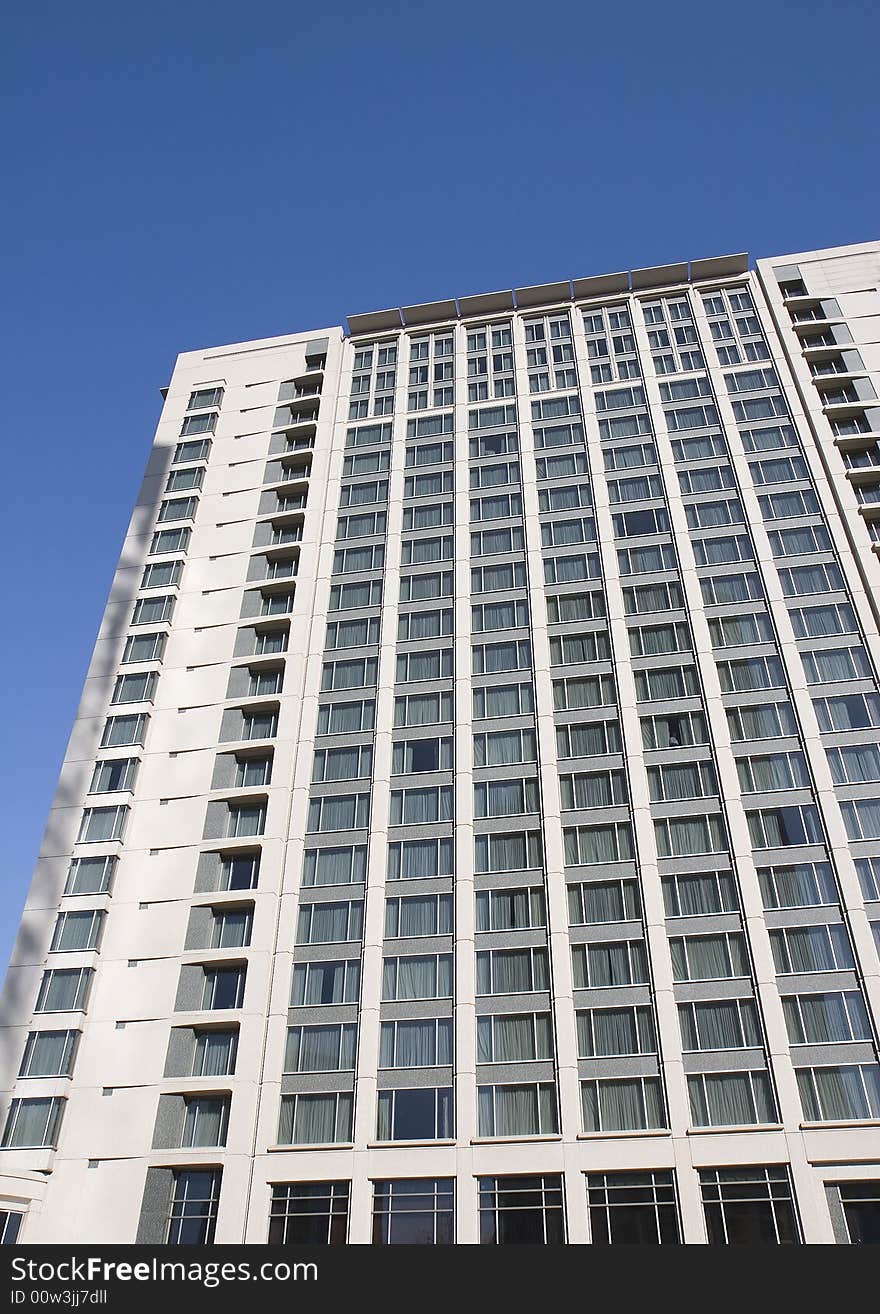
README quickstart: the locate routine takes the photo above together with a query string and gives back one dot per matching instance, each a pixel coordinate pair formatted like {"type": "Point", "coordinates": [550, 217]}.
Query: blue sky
{"type": "Point", "coordinates": [190, 173]}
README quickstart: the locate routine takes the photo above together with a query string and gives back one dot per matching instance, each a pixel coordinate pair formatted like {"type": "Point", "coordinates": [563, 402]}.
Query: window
{"type": "Point", "coordinates": [761, 721]}
{"type": "Point", "coordinates": [585, 845]}
{"type": "Point", "coordinates": [418, 806]}
{"type": "Point", "coordinates": [855, 765]}
{"type": "Point", "coordinates": [776, 771]}
{"type": "Point", "coordinates": [589, 739]}
{"type": "Point", "coordinates": [326, 923]}
{"type": "Point", "coordinates": [681, 731]}
{"type": "Point", "coordinates": [258, 725]}
{"type": "Point", "coordinates": [215, 1053]}
{"type": "Point", "coordinates": [511, 852]}
{"type": "Point", "coordinates": [90, 875]}
{"type": "Point", "coordinates": [505, 748]}
{"type": "Point", "coordinates": [232, 928]}
{"type": "Point", "coordinates": [585, 691]}
{"type": "Point", "coordinates": [708, 957]}
{"type": "Point", "coordinates": [748, 1206]}
{"type": "Point", "coordinates": [346, 718]}
{"type": "Point", "coordinates": [679, 837]}
{"type": "Point", "coordinates": [503, 700]}
{"type": "Point", "coordinates": [683, 781]}
{"type": "Point", "coordinates": [10, 1226]}
{"type": "Point", "coordinates": [421, 588]}
{"type": "Point", "coordinates": [737, 631]}
{"type": "Point", "coordinates": [223, 987]}
{"type": "Point", "coordinates": [800, 885]}
{"type": "Point", "coordinates": [100, 825]}
{"type": "Point", "coordinates": [840, 1094]}
{"type": "Point", "coordinates": [412, 977]}
{"type": "Point", "coordinates": [150, 611]}
{"type": "Point", "coordinates": [626, 1104]}
{"type": "Point", "coordinates": [346, 597]}
{"type": "Point", "coordinates": [491, 658]}
{"type": "Point", "coordinates": [252, 772]}
{"type": "Point", "coordinates": [414, 1212]}
{"type": "Point", "coordinates": [512, 971]}
{"type": "Point", "coordinates": [320, 1049]}
{"type": "Point", "coordinates": [326, 983]}
{"type": "Point", "coordinates": [511, 909]}
{"type": "Point", "coordinates": [205, 1121]}
{"type": "Point", "coordinates": [823, 948]}
{"type": "Point", "coordinates": [177, 508]}
{"type": "Point", "coordinates": [335, 866]}
{"type": "Point", "coordinates": [514, 1038]}
{"type": "Point", "coordinates": [113, 775]}
{"type": "Point", "coordinates": [505, 798]}
{"type": "Point", "coordinates": [860, 1202]}
{"type": "Point", "coordinates": [198, 449]}
{"type": "Point", "coordinates": [419, 1043]}
{"type": "Point", "coordinates": [573, 649]}
{"type": "Point", "coordinates": [315, 1119]}
{"type": "Point", "coordinates": [245, 819]}
{"type": "Point", "coordinates": [204, 397]}
{"type": "Point", "coordinates": [422, 709]}
{"type": "Point", "coordinates": [500, 616]}
{"type": "Point", "coordinates": [778, 827]}
{"type": "Point", "coordinates": [77, 931]}
{"type": "Point", "coordinates": [33, 1124]}
{"type": "Point", "coordinates": [868, 870]}
{"type": "Point", "coordinates": [144, 648]}
{"type": "Point", "coordinates": [418, 1114]}
{"type": "Point", "coordinates": [161, 574]}
{"type": "Point", "coordinates": [719, 1024]}
{"type": "Point", "coordinates": [309, 1213]}
{"type": "Point", "coordinates": [491, 541]}
{"type": "Point", "coordinates": [49, 1054]}
{"type": "Point", "coordinates": [609, 963]}
{"type": "Point", "coordinates": [633, 1208]}
{"type": "Point", "coordinates": [339, 812]}
{"type": "Point", "coordinates": [431, 664]}
{"type": "Point", "coordinates": [660, 684]}
{"type": "Point", "coordinates": [823, 1019]}
{"type": "Point", "coordinates": [521, 1210]}
{"type": "Point", "coordinates": [413, 756]}
{"type": "Point", "coordinates": [134, 688]}
{"type": "Point", "coordinates": [850, 712]}
{"type": "Point", "coordinates": [64, 990]}
{"type": "Point", "coordinates": [862, 818]}
{"type": "Point", "coordinates": [564, 607]}
{"type": "Point", "coordinates": [521, 1110]}
{"type": "Point", "coordinates": [420, 859]}
{"type": "Point", "coordinates": [429, 914]}
{"type": "Point", "coordinates": [615, 1032]}
{"type": "Point", "coordinates": [699, 894]}
{"type": "Point", "coordinates": [342, 763]}
{"type": "Point", "coordinates": [603, 901]}
{"type": "Point", "coordinates": [240, 871]}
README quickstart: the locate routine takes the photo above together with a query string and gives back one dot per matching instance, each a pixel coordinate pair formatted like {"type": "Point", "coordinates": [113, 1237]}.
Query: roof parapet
{"type": "Point", "coordinates": [547, 294]}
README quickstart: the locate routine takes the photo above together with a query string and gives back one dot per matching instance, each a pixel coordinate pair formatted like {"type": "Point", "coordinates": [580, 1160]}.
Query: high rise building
{"type": "Point", "coordinates": [470, 830]}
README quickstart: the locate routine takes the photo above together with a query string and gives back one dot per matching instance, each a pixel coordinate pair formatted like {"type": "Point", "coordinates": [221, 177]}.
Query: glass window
{"type": "Point", "coordinates": [633, 1208]}
{"type": "Point", "coordinates": [315, 1119]}
{"type": "Point", "coordinates": [419, 1114]}
{"type": "Point", "coordinates": [33, 1123]}
{"type": "Point", "coordinates": [521, 1210]}
{"type": "Point", "coordinates": [414, 1212]}
{"type": "Point", "coordinates": [309, 1214]}
{"type": "Point", "coordinates": [748, 1206]}
{"type": "Point", "coordinates": [625, 1104]}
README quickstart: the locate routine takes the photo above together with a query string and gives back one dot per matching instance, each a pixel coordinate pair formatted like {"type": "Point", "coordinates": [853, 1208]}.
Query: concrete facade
{"type": "Point", "coordinates": [493, 823]}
